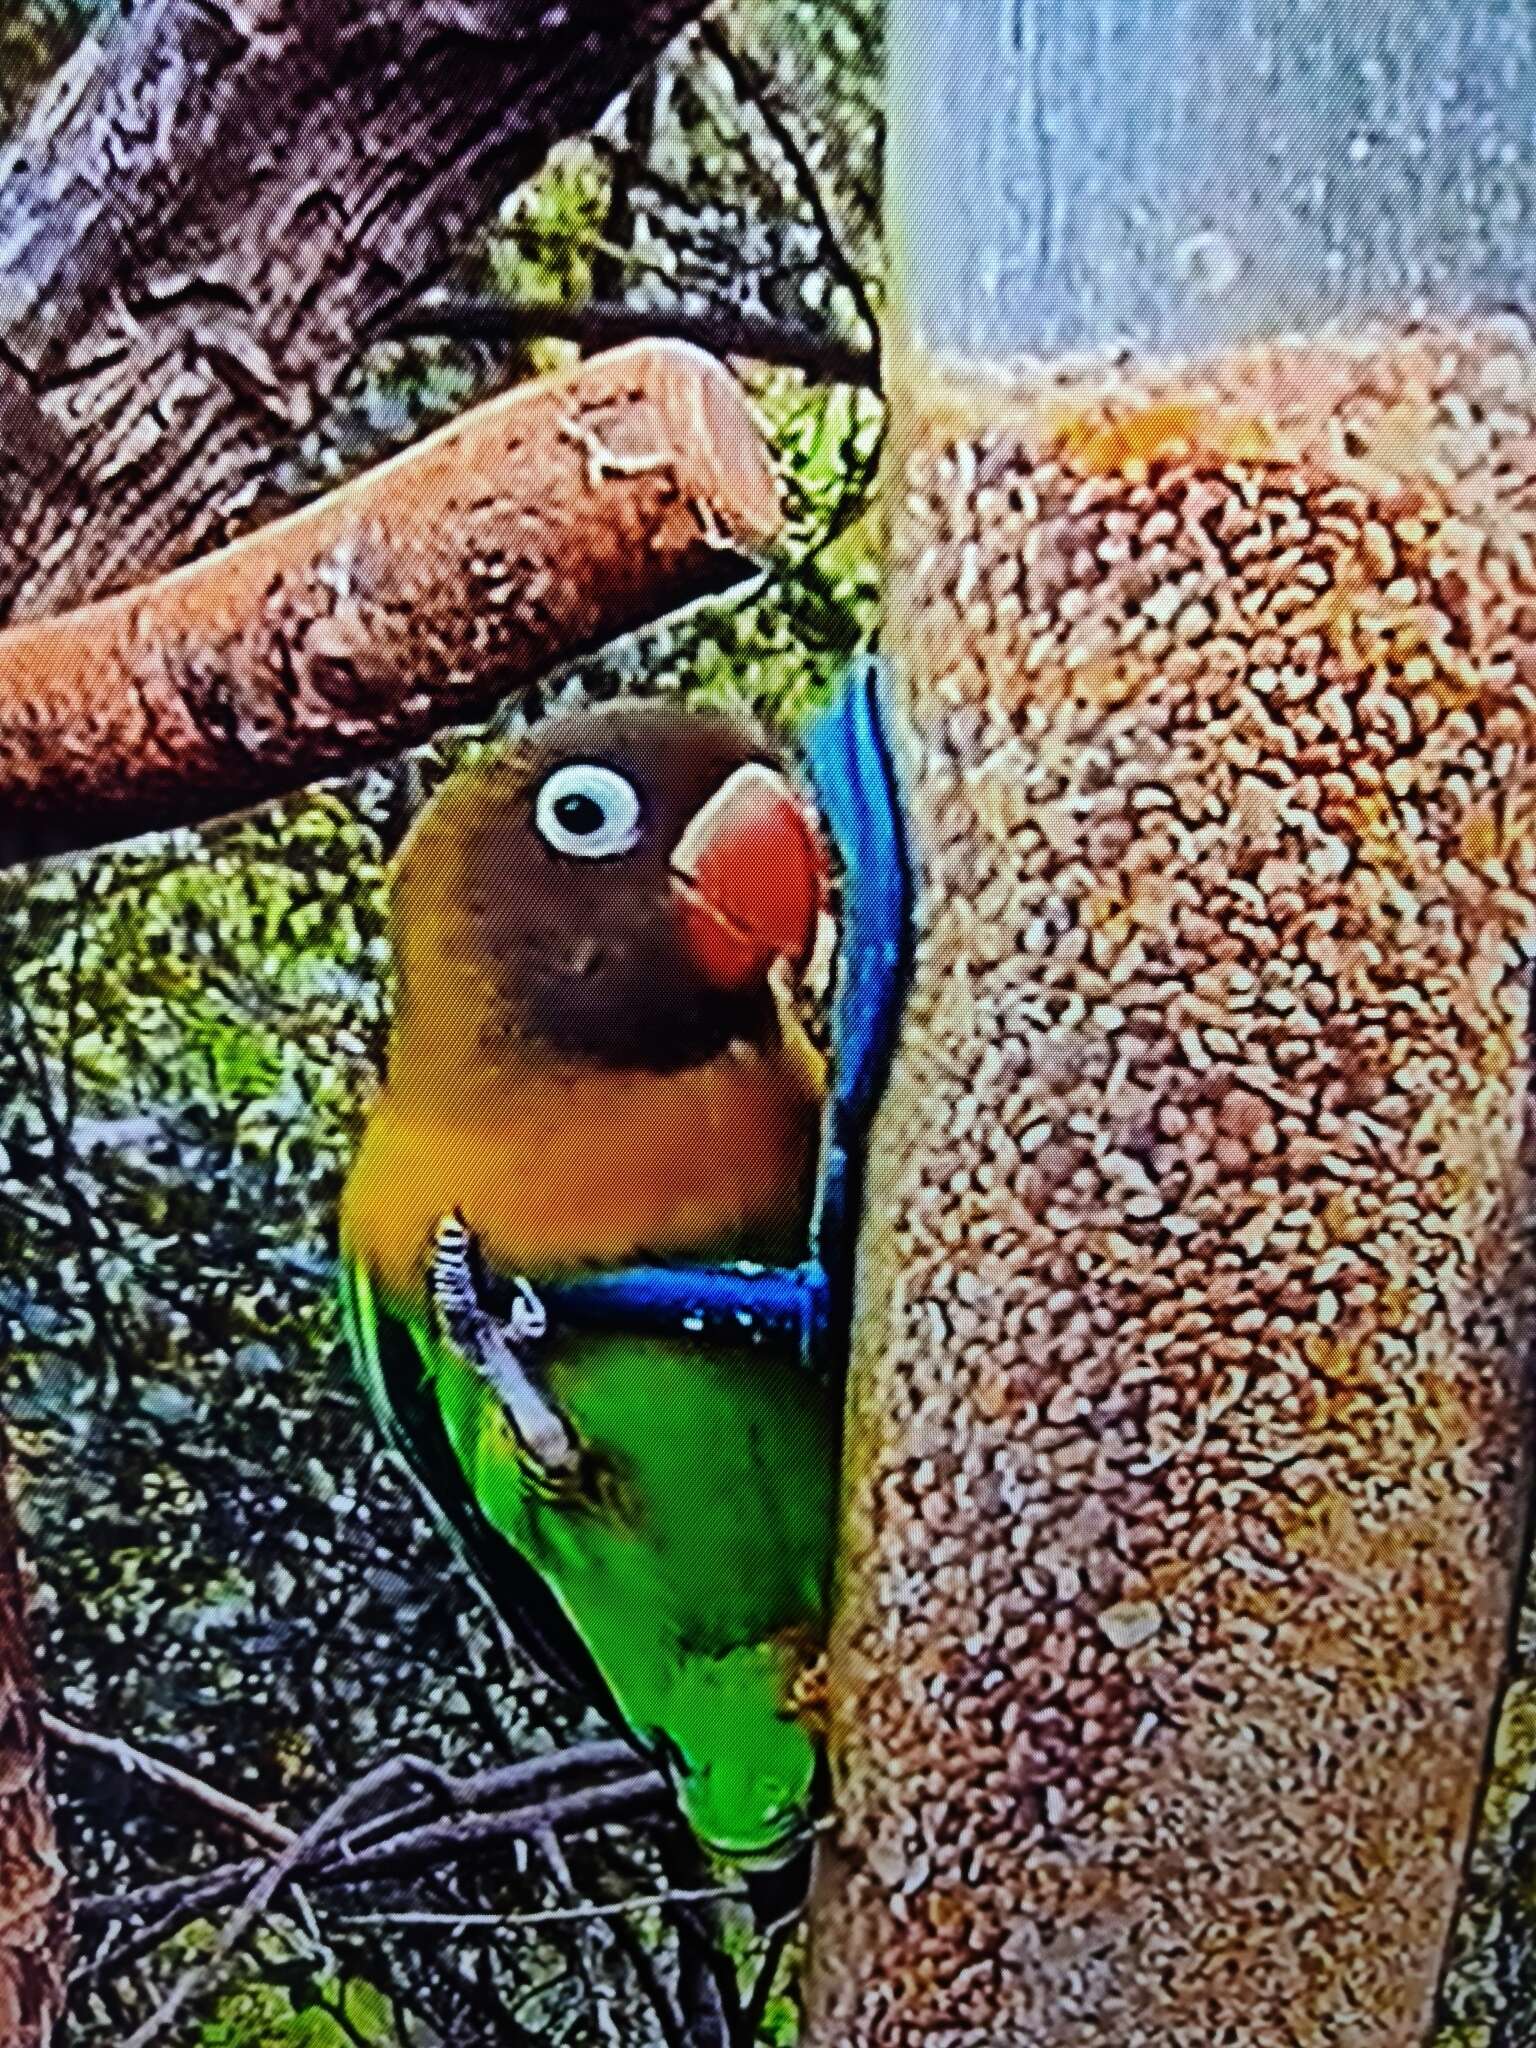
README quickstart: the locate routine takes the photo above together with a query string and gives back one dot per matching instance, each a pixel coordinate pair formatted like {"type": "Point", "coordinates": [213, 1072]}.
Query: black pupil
{"type": "Point", "coordinates": [579, 813]}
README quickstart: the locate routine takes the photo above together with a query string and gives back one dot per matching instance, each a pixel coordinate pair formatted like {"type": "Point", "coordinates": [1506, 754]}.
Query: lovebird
{"type": "Point", "coordinates": [595, 1062]}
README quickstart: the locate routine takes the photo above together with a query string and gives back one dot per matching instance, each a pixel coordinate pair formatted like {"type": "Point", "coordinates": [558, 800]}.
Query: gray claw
{"type": "Point", "coordinates": [492, 1348]}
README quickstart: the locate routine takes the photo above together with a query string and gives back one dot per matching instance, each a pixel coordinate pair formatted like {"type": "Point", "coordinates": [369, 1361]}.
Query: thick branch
{"type": "Point", "coordinates": [208, 218]}
{"type": "Point", "coordinates": [532, 528]}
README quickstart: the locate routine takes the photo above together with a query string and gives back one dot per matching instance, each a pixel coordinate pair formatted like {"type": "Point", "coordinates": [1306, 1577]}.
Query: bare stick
{"type": "Point", "coordinates": [329, 1853]}
{"type": "Point", "coordinates": [440, 1841]}
{"type": "Point", "coordinates": [611, 1909]}
{"type": "Point", "coordinates": [268, 1885]}
{"type": "Point", "coordinates": [137, 1762]}
{"type": "Point", "coordinates": [606, 323]}
{"type": "Point", "coordinates": [753, 90]}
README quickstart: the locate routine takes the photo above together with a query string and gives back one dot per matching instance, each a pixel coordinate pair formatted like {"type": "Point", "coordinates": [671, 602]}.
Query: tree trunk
{"type": "Point", "coordinates": [212, 214]}
{"type": "Point", "coordinates": [33, 1912]}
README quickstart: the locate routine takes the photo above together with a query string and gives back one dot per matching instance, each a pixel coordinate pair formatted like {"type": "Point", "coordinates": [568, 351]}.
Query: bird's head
{"type": "Point", "coordinates": [614, 887]}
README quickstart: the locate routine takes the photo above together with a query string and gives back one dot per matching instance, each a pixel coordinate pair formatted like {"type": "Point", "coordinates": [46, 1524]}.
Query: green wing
{"type": "Point", "coordinates": [685, 1581]}
{"type": "Point", "coordinates": [393, 1362]}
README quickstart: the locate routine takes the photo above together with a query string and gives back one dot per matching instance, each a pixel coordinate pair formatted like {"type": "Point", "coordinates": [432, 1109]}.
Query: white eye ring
{"type": "Point", "coordinates": [587, 791]}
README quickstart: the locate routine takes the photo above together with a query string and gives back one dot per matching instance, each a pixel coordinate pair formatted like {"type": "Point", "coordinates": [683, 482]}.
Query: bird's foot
{"type": "Point", "coordinates": [494, 1349]}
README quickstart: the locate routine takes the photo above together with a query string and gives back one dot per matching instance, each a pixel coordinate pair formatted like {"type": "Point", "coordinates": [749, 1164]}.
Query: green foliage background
{"type": "Point", "coordinates": [227, 1571]}
{"type": "Point", "coordinates": [228, 1574]}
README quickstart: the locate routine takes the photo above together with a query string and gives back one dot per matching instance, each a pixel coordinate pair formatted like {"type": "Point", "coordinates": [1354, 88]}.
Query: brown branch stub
{"type": "Point", "coordinates": [534, 527]}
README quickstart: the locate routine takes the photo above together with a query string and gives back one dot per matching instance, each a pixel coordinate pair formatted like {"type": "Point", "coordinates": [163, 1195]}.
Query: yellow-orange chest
{"type": "Point", "coordinates": [560, 1168]}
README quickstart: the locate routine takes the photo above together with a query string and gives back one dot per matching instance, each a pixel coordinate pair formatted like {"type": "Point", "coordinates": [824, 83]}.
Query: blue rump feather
{"type": "Point", "coordinates": [853, 770]}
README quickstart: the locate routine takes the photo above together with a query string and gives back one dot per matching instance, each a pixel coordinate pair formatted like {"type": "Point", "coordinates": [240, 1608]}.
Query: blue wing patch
{"type": "Point", "coordinates": [854, 773]}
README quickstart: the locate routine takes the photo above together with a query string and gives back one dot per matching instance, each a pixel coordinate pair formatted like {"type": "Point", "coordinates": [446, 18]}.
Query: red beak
{"type": "Point", "coordinates": [752, 878]}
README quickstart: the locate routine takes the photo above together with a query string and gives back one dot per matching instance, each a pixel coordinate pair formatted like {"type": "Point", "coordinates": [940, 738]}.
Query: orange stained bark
{"type": "Point", "coordinates": [534, 527]}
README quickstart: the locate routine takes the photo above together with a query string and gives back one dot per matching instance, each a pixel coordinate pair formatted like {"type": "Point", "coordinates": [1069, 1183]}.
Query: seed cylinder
{"type": "Point", "coordinates": [1186, 1479]}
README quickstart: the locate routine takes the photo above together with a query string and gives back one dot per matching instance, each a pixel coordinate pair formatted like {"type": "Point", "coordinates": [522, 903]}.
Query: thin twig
{"type": "Point", "coordinates": [40, 1219]}
{"type": "Point", "coordinates": [178, 1901]}
{"type": "Point", "coordinates": [500, 1786]}
{"type": "Point", "coordinates": [137, 1762]}
{"type": "Point", "coordinates": [88, 887]}
{"type": "Point", "coordinates": [762, 1984]}
{"type": "Point", "coordinates": [606, 323]}
{"type": "Point", "coordinates": [753, 89]}
{"type": "Point", "coordinates": [707, 1991]}
{"type": "Point", "coordinates": [653, 1987]}
{"type": "Point", "coordinates": [611, 1909]}
{"type": "Point", "coordinates": [24, 1037]}
{"type": "Point", "coordinates": [441, 1841]}
{"type": "Point", "coordinates": [269, 1884]}
{"type": "Point", "coordinates": [386, 1843]}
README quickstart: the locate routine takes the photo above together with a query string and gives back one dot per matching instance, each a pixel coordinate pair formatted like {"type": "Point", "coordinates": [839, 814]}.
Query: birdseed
{"type": "Point", "coordinates": [1185, 1436]}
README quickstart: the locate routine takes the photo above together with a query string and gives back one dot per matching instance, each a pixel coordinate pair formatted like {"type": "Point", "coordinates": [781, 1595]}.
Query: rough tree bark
{"type": "Point", "coordinates": [209, 217]}
{"type": "Point", "coordinates": [33, 1912]}
{"type": "Point", "coordinates": [203, 223]}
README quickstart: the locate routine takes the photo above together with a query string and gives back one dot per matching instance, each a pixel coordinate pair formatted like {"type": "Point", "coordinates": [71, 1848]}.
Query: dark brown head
{"type": "Point", "coordinates": [614, 888]}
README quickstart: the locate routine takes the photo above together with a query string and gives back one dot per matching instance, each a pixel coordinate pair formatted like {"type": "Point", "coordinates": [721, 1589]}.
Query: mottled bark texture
{"type": "Point", "coordinates": [214, 212]}
{"type": "Point", "coordinates": [33, 1912]}
{"type": "Point", "coordinates": [539, 524]}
